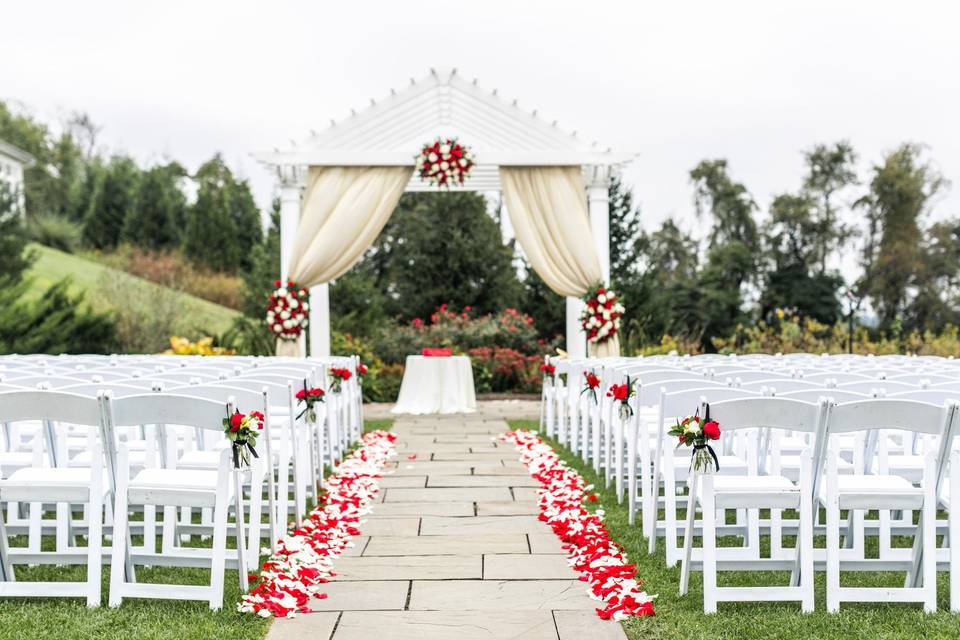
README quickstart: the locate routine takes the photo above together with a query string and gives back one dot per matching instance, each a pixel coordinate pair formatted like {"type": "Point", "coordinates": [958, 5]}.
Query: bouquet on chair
{"type": "Point", "coordinates": [592, 384]}
{"type": "Point", "coordinates": [622, 394]}
{"type": "Point", "coordinates": [339, 376]}
{"type": "Point", "coordinates": [697, 432]}
{"type": "Point", "coordinates": [242, 431]}
{"type": "Point", "coordinates": [309, 397]}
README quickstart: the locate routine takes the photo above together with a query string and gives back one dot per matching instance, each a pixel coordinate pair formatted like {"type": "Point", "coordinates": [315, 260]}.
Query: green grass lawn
{"type": "Point", "coordinates": [678, 617]}
{"type": "Point", "coordinates": [70, 619]}
{"type": "Point", "coordinates": [87, 276]}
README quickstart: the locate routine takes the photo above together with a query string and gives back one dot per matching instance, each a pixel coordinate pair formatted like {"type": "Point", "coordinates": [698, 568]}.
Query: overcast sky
{"type": "Point", "coordinates": [754, 82]}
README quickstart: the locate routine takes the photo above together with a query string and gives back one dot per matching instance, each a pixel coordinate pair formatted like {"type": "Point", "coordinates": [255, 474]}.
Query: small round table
{"type": "Point", "coordinates": [437, 385]}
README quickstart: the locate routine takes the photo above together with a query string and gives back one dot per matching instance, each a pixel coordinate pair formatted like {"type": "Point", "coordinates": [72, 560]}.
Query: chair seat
{"type": "Point", "coordinates": [175, 479]}
{"type": "Point", "coordinates": [754, 491]}
{"type": "Point", "coordinates": [10, 460]}
{"type": "Point", "coordinates": [44, 483]}
{"type": "Point", "coordinates": [858, 491]}
{"type": "Point", "coordinates": [82, 459]}
{"type": "Point", "coordinates": [199, 459]}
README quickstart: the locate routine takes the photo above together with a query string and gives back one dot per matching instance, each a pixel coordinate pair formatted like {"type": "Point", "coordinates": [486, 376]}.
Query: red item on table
{"type": "Point", "coordinates": [436, 352]}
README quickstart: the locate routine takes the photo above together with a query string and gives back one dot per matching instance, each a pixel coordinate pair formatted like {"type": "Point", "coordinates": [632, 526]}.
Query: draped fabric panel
{"type": "Point", "coordinates": [607, 349]}
{"type": "Point", "coordinates": [343, 211]}
{"type": "Point", "coordinates": [548, 209]}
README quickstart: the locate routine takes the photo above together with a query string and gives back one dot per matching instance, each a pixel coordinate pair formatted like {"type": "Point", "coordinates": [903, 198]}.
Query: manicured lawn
{"type": "Point", "coordinates": [53, 265]}
{"type": "Point", "coordinates": [684, 618]}
{"type": "Point", "coordinates": [372, 425]}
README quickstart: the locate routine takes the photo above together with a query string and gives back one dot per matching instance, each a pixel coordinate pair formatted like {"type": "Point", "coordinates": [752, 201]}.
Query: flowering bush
{"type": "Point", "coordinates": [444, 162]}
{"type": "Point", "coordinates": [496, 369]}
{"type": "Point", "coordinates": [202, 347]}
{"type": "Point", "coordinates": [462, 331]}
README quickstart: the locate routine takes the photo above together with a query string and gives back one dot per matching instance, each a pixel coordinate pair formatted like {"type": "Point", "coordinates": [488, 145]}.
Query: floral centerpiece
{"type": "Point", "coordinates": [697, 432]}
{"type": "Point", "coordinates": [287, 310]}
{"type": "Point", "coordinates": [601, 315]}
{"type": "Point", "coordinates": [242, 431]}
{"type": "Point", "coordinates": [309, 397]}
{"type": "Point", "coordinates": [443, 162]}
{"type": "Point", "coordinates": [338, 376]}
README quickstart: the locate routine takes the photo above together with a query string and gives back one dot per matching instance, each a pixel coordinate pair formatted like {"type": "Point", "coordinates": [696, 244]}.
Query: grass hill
{"type": "Point", "coordinates": [102, 284]}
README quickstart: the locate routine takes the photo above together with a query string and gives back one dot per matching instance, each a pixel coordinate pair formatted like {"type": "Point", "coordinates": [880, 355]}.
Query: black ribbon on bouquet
{"type": "Point", "coordinates": [705, 445]}
{"type": "Point", "coordinates": [238, 449]}
{"type": "Point", "coordinates": [305, 401]}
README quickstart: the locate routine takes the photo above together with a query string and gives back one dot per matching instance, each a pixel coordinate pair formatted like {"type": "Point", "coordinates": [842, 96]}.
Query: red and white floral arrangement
{"type": "Point", "coordinates": [287, 310]}
{"type": "Point", "coordinates": [601, 316]}
{"type": "Point", "coordinates": [339, 375]}
{"type": "Point", "coordinates": [600, 561]}
{"type": "Point", "coordinates": [443, 162]}
{"type": "Point", "coordinates": [304, 558]}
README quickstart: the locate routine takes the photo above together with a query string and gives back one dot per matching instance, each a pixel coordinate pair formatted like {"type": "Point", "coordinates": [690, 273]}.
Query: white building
{"type": "Point", "coordinates": [12, 163]}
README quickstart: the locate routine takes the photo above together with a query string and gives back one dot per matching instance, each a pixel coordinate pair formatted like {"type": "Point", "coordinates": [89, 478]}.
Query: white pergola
{"type": "Point", "coordinates": [390, 132]}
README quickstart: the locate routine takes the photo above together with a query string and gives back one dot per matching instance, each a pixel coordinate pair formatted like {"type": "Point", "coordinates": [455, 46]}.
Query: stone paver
{"type": "Point", "coordinates": [453, 549]}
{"type": "Point", "coordinates": [413, 567]}
{"type": "Point", "coordinates": [435, 525]}
{"type": "Point", "coordinates": [500, 594]}
{"type": "Point", "coordinates": [447, 625]}
{"type": "Point", "coordinates": [524, 567]}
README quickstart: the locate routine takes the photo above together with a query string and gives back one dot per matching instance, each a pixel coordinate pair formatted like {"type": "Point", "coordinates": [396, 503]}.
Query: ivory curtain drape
{"type": "Point", "coordinates": [548, 210]}
{"type": "Point", "coordinates": [343, 211]}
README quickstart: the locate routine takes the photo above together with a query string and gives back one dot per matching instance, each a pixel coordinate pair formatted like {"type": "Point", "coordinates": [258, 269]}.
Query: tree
{"type": "Point", "coordinates": [547, 308]}
{"type": "Point", "coordinates": [793, 246]}
{"type": "Point", "coordinates": [900, 193]}
{"type": "Point", "coordinates": [14, 260]}
{"type": "Point", "coordinates": [829, 169]}
{"type": "Point", "coordinates": [158, 211]}
{"type": "Point", "coordinates": [733, 245]}
{"type": "Point", "coordinates": [223, 226]}
{"type": "Point", "coordinates": [112, 199]}
{"type": "Point", "coordinates": [443, 247]}
{"type": "Point", "coordinates": [625, 229]}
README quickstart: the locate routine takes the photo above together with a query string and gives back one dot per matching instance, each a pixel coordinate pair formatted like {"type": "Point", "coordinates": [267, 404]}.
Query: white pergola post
{"type": "Point", "coordinates": [598, 204]}
{"type": "Point", "coordinates": [576, 338]}
{"type": "Point", "coordinates": [320, 320]}
{"type": "Point", "coordinates": [289, 176]}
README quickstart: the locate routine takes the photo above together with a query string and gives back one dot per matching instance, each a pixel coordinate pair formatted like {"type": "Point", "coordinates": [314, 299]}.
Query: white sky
{"type": "Point", "coordinates": [754, 82]}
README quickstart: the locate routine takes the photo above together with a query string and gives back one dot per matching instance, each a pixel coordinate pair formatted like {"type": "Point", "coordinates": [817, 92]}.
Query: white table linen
{"type": "Point", "coordinates": [437, 385]}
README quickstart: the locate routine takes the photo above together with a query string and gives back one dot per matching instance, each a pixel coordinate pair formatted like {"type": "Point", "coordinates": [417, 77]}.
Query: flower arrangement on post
{"type": "Point", "coordinates": [309, 397]}
{"type": "Point", "coordinates": [287, 310]}
{"type": "Point", "coordinates": [242, 432]}
{"type": "Point", "coordinates": [443, 162]}
{"type": "Point", "coordinates": [697, 432]}
{"type": "Point", "coordinates": [338, 377]}
{"type": "Point", "coordinates": [591, 384]}
{"type": "Point", "coordinates": [601, 315]}
{"type": "Point", "coordinates": [622, 394]}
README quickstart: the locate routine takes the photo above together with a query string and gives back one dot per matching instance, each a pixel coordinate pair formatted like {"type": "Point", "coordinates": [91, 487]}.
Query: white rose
{"type": "Point", "coordinates": [277, 328]}
{"type": "Point", "coordinates": [444, 149]}
{"type": "Point", "coordinates": [294, 303]}
{"type": "Point", "coordinates": [601, 298]}
{"type": "Point", "coordinates": [435, 167]}
{"type": "Point", "coordinates": [432, 158]}
{"type": "Point", "coordinates": [284, 314]}
{"type": "Point", "coordinates": [287, 324]}
{"type": "Point", "coordinates": [282, 291]}
{"type": "Point", "coordinates": [444, 165]}
{"type": "Point", "coordinates": [463, 162]}
{"type": "Point", "coordinates": [305, 306]}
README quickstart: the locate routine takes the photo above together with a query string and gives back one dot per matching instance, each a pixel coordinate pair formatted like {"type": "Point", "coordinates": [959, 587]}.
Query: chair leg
{"type": "Point", "coordinates": [709, 546]}
{"type": "Point", "coordinates": [833, 546]}
{"type": "Point", "coordinates": [6, 567]}
{"type": "Point", "coordinates": [954, 533]}
{"type": "Point", "coordinates": [119, 549]}
{"type": "Point", "coordinates": [928, 527]}
{"type": "Point", "coordinates": [806, 553]}
{"type": "Point", "coordinates": [94, 546]}
{"type": "Point", "coordinates": [219, 549]}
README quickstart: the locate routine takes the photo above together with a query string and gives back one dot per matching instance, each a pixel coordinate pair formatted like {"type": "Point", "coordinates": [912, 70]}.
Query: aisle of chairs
{"type": "Point", "coordinates": [123, 461]}
{"type": "Point", "coordinates": [827, 463]}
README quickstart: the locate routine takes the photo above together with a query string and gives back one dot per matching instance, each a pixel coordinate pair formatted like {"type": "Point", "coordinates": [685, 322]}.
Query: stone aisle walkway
{"type": "Point", "coordinates": [454, 550]}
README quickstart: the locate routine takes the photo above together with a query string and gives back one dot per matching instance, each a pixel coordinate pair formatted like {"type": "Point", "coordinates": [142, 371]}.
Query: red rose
{"type": "Point", "coordinates": [235, 421]}
{"type": "Point", "coordinates": [548, 369]}
{"type": "Point", "coordinates": [362, 369]}
{"type": "Point", "coordinates": [712, 430]}
{"type": "Point", "coordinates": [619, 392]}
{"type": "Point", "coordinates": [301, 394]}
{"type": "Point", "coordinates": [592, 381]}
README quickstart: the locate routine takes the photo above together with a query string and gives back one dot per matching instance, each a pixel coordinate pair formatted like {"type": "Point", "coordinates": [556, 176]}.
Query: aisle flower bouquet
{"type": "Point", "coordinates": [309, 397]}
{"type": "Point", "coordinates": [591, 384]}
{"type": "Point", "coordinates": [601, 315]}
{"type": "Point", "coordinates": [697, 432]}
{"type": "Point", "coordinates": [287, 310]}
{"type": "Point", "coordinates": [242, 431]}
{"type": "Point", "coordinates": [338, 376]}
{"type": "Point", "coordinates": [622, 393]}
